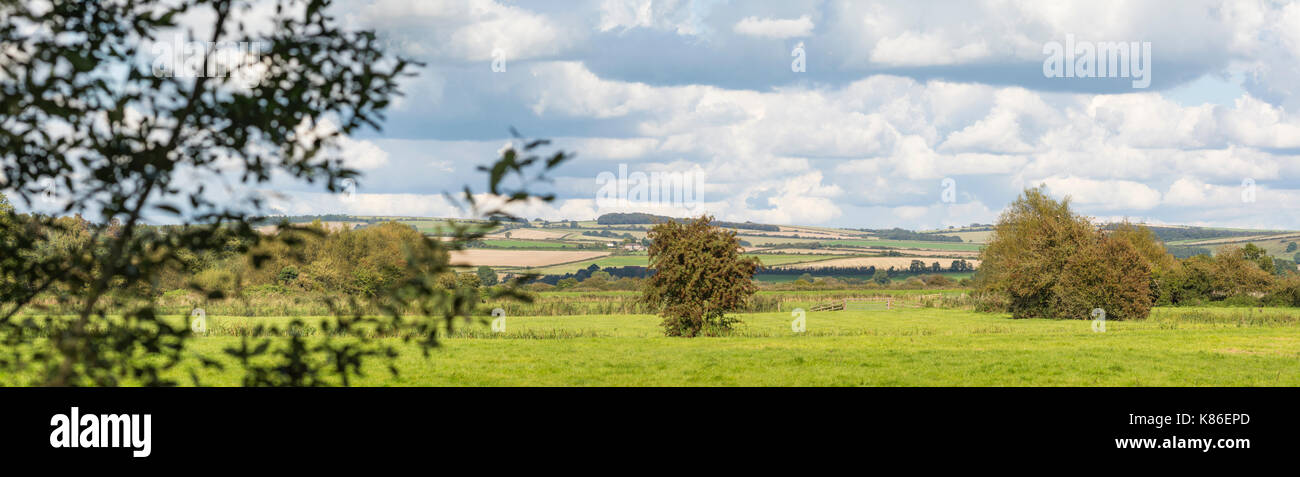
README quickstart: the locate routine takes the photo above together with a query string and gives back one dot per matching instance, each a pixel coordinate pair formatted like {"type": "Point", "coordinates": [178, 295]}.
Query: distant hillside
{"type": "Point", "coordinates": [307, 219]}
{"type": "Point", "coordinates": [903, 234]}
{"type": "Point", "coordinates": [1178, 233]}
{"type": "Point", "coordinates": [638, 218]}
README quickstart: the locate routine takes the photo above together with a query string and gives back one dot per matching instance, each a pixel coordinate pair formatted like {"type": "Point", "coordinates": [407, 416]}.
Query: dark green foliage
{"type": "Point", "coordinates": [487, 275]}
{"type": "Point", "coordinates": [287, 275]}
{"type": "Point", "coordinates": [699, 276]}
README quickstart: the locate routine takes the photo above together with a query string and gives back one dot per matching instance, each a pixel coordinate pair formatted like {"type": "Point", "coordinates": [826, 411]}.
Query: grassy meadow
{"type": "Point", "coordinates": [909, 347]}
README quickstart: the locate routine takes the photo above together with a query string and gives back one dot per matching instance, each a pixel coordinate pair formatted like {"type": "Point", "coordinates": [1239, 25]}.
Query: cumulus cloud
{"type": "Point", "coordinates": [775, 27]}
{"type": "Point", "coordinates": [913, 96]}
{"type": "Point", "coordinates": [680, 16]}
{"type": "Point", "coordinates": [470, 30]}
{"type": "Point", "coordinates": [1104, 194]}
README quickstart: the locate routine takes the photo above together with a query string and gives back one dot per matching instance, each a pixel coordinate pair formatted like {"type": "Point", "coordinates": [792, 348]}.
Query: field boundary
{"type": "Point", "coordinates": [875, 303]}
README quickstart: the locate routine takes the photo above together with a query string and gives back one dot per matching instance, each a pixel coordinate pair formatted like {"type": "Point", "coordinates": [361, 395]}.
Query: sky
{"type": "Point", "coordinates": [906, 114]}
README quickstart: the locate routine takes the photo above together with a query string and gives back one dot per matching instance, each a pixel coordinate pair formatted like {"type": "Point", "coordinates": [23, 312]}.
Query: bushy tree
{"type": "Point", "coordinates": [881, 277]}
{"type": "Point", "coordinates": [1044, 260]}
{"type": "Point", "coordinates": [487, 276]}
{"type": "Point", "coordinates": [1151, 250]}
{"type": "Point", "coordinates": [1231, 272]}
{"type": "Point", "coordinates": [1109, 274]}
{"type": "Point", "coordinates": [700, 276]}
{"type": "Point", "coordinates": [1286, 292]}
{"type": "Point", "coordinates": [939, 281]}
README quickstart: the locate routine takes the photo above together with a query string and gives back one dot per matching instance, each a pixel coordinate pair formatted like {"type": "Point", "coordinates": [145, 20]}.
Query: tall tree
{"type": "Point", "coordinates": [699, 276]}
{"type": "Point", "coordinates": [121, 140]}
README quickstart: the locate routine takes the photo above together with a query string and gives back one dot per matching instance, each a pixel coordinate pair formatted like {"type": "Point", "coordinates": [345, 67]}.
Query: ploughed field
{"type": "Point", "coordinates": [907, 347]}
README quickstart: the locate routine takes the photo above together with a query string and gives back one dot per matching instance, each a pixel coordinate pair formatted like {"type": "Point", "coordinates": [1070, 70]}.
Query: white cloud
{"type": "Point", "coordinates": [1104, 194]}
{"type": "Point", "coordinates": [873, 150]}
{"type": "Point", "coordinates": [681, 16]}
{"type": "Point", "coordinates": [357, 154]}
{"type": "Point", "coordinates": [926, 49]}
{"type": "Point", "coordinates": [775, 28]}
{"type": "Point", "coordinates": [468, 30]}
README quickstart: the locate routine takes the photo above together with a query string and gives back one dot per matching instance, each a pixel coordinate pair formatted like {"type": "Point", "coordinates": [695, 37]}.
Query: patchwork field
{"type": "Point", "coordinates": [982, 236]}
{"type": "Point", "coordinates": [611, 261]}
{"type": "Point", "coordinates": [642, 260]}
{"type": "Point", "coordinates": [905, 244]}
{"type": "Point", "coordinates": [530, 234]}
{"type": "Point", "coordinates": [518, 258]}
{"type": "Point", "coordinates": [899, 263]}
{"type": "Point", "coordinates": [515, 243]}
{"type": "Point", "coordinates": [918, 347]}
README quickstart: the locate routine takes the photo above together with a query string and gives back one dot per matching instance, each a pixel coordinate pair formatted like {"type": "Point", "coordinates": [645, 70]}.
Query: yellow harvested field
{"type": "Point", "coordinates": [530, 234]}
{"type": "Point", "coordinates": [878, 262]}
{"type": "Point", "coordinates": [802, 233]}
{"type": "Point", "coordinates": [518, 258]}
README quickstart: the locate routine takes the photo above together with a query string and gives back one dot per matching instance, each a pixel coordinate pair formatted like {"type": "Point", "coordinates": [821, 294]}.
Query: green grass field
{"type": "Point", "coordinates": [917, 347]}
{"type": "Point", "coordinates": [642, 260]}
{"type": "Point", "coordinates": [527, 244]}
{"type": "Point", "coordinates": [603, 262]}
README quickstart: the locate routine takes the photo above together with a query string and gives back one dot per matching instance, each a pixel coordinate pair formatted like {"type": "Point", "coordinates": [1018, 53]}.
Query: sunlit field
{"type": "Point", "coordinates": [910, 347]}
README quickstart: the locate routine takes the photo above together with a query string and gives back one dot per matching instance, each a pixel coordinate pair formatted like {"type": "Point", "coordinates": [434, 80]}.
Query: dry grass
{"type": "Point", "coordinates": [519, 258]}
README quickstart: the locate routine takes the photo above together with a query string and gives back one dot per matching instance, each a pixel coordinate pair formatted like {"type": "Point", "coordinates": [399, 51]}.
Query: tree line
{"type": "Point", "coordinates": [1044, 260]}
